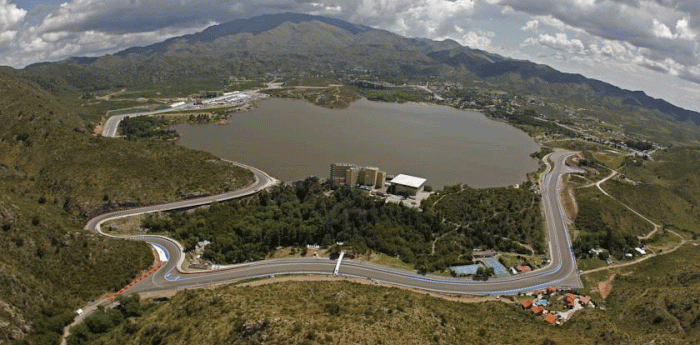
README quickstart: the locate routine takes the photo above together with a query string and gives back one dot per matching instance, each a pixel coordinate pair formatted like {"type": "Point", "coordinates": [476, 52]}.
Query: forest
{"type": "Point", "coordinates": [311, 212]}
{"type": "Point", "coordinates": [140, 127]}
{"type": "Point", "coordinates": [596, 233]}
{"type": "Point", "coordinates": [504, 219]}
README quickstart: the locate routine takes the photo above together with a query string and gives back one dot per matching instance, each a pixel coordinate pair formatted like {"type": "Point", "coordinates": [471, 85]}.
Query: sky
{"type": "Point", "coordinates": [648, 45]}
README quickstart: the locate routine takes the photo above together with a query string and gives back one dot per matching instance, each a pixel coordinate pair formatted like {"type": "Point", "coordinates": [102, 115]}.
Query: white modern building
{"type": "Point", "coordinates": [407, 184]}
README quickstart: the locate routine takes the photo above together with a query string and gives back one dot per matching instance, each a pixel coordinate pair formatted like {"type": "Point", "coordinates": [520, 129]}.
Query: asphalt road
{"type": "Point", "coordinates": [112, 124]}
{"type": "Point", "coordinates": [560, 272]}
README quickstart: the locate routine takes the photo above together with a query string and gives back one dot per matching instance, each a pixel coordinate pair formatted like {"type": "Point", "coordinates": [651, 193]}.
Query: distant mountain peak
{"type": "Point", "coordinates": [254, 25]}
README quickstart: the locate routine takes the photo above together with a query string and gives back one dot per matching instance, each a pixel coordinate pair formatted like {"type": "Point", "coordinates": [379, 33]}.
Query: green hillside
{"type": "Point", "coordinates": [655, 302]}
{"type": "Point", "coordinates": [53, 175]}
{"type": "Point", "coordinates": [335, 313]}
{"type": "Point", "coordinates": [667, 189]}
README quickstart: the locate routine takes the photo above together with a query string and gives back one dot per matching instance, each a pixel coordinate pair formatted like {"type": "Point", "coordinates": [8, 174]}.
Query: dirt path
{"type": "Point", "coordinates": [605, 287]}
{"type": "Point", "coordinates": [657, 227]}
{"type": "Point", "coordinates": [599, 185]}
{"type": "Point", "coordinates": [613, 174]}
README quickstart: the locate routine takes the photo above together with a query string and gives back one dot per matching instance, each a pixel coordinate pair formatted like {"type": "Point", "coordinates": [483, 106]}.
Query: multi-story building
{"type": "Point", "coordinates": [370, 176]}
{"type": "Point", "coordinates": [381, 179]}
{"type": "Point", "coordinates": [351, 174]}
{"type": "Point", "coordinates": [339, 171]}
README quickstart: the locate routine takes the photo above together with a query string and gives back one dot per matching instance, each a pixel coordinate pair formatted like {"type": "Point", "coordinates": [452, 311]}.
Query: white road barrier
{"type": "Point", "coordinates": [337, 265]}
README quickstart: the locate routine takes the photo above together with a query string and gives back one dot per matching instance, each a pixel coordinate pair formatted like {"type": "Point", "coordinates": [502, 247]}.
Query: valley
{"type": "Point", "coordinates": [556, 174]}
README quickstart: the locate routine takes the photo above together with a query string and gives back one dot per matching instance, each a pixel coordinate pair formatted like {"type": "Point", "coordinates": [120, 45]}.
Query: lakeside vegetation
{"type": "Point", "coordinates": [529, 121]}
{"type": "Point", "coordinates": [328, 97]}
{"type": "Point", "coordinates": [398, 95]}
{"type": "Point", "coordinates": [312, 213]}
{"type": "Point", "coordinates": [308, 213]}
{"type": "Point", "coordinates": [141, 127]}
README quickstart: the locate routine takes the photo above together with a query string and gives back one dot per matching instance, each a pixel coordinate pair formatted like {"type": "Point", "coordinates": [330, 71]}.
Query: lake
{"type": "Point", "coordinates": [292, 140]}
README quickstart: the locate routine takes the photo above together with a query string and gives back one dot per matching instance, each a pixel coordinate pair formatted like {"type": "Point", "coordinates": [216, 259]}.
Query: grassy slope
{"type": "Point", "coordinates": [656, 301]}
{"type": "Point", "coordinates": [53, 174]}
{"type": "Point", "coordinates": [333, 313]}
{"type": "Point", "coordinates": [610, 212]}
{"type": "Point", "coordinates": [45, 144]}
{"type": "Point", "coordinates": [670, 189]}
{"type": "Point", "coordinates": [659, 297]}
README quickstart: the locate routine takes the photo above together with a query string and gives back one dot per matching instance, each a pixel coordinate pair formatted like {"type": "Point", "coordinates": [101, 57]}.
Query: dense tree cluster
{"type": "Point", "coordinates": [307, 213]}
{"type": "Point", "coordinates": [500, 218]}
{"type": "Point", "coordinates": [639, 145]}
{"type": "Point", "coordinates": [314, 213]}
{"type": "Point", "coordinates": [595, 233]}
{"type": "Point", "coordinates": [140, 127]}
{"type": "Point", "coordinates": [102, 321]}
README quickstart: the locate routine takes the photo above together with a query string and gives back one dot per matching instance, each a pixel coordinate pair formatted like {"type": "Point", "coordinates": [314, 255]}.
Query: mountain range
{"type": "Point", "coordinates": [291, 42]}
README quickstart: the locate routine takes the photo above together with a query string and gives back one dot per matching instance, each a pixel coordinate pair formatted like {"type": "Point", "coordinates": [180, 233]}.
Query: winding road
{"type": "Point", "coordinates": [560, 272]}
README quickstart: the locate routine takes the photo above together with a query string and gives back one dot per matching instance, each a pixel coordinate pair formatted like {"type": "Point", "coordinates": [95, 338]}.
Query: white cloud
{"type": "Point", "coordinates": [661, 30]}
{"type": "Point", "coordinates": [560, 42]}
{"type": "Point", "coordinates": [531, 25]}
{"type": "Point", "coordinates": [683, 29]}
{"type": "Point", "coordinates": [10, 15]}
{"type": "Point", "coordinates": [479, 39]}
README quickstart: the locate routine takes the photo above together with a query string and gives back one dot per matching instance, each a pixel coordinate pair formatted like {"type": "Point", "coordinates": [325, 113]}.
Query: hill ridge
{"type": "Point", "coordinates": [371, 49]}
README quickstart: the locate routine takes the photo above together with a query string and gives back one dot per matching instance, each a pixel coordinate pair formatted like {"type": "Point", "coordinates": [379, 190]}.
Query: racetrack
{"type": "Point", "coordinates": [560, 272]}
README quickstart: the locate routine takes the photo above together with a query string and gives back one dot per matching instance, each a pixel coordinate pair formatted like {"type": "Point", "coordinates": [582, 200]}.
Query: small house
{"type": "Point", "coordinates": [523, 269]}
{"type": "Point", "coordinates": [570, 300]}
{"type": "Point", "coordinates": [584, 301]}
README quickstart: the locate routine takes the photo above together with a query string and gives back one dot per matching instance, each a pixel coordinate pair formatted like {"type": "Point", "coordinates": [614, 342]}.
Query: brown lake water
{"type": "Point", "coordinates": [292, 140]}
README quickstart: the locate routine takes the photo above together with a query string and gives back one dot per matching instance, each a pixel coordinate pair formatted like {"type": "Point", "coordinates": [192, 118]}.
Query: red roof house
{"type": "Point", "coordinates": [537, 310]}
{"type": "Point", "coordinates": [570, 300]}
{"type": "Point", "coordinates": [526, 304]}
{"type": "Point", "coordinates": [551, 290]}
{"type": "Point", "coordinates": [550, 318]}
{"type": "Point", "coordinates": [585, 300]}
{"type": "Point", "coordinates": [523, 269]}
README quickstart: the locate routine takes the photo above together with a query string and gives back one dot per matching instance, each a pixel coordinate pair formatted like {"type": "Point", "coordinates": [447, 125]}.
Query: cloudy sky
{"type": "Point", "coordinates": [649, 45]}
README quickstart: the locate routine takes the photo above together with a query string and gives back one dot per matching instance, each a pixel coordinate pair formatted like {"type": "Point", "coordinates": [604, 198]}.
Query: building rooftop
{"type": "Point", "coordinates": [410, 181]}
{"type": "Point", "coordinates": [585, 300]}
{"type": "Point", "coordinates": [550, 318]}
{"type": "Point", "coordinates": [465, 270]}
{"type": "Point", "coordinates": [523, 269]}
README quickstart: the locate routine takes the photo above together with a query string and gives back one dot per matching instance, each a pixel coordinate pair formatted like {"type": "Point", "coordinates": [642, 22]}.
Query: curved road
{"type": "Point", "coordinates": [560, 272]}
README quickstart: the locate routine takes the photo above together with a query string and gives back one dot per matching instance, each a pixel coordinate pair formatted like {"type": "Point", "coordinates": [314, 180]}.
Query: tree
{"type": "Point", "coordinates": [484, 272]}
